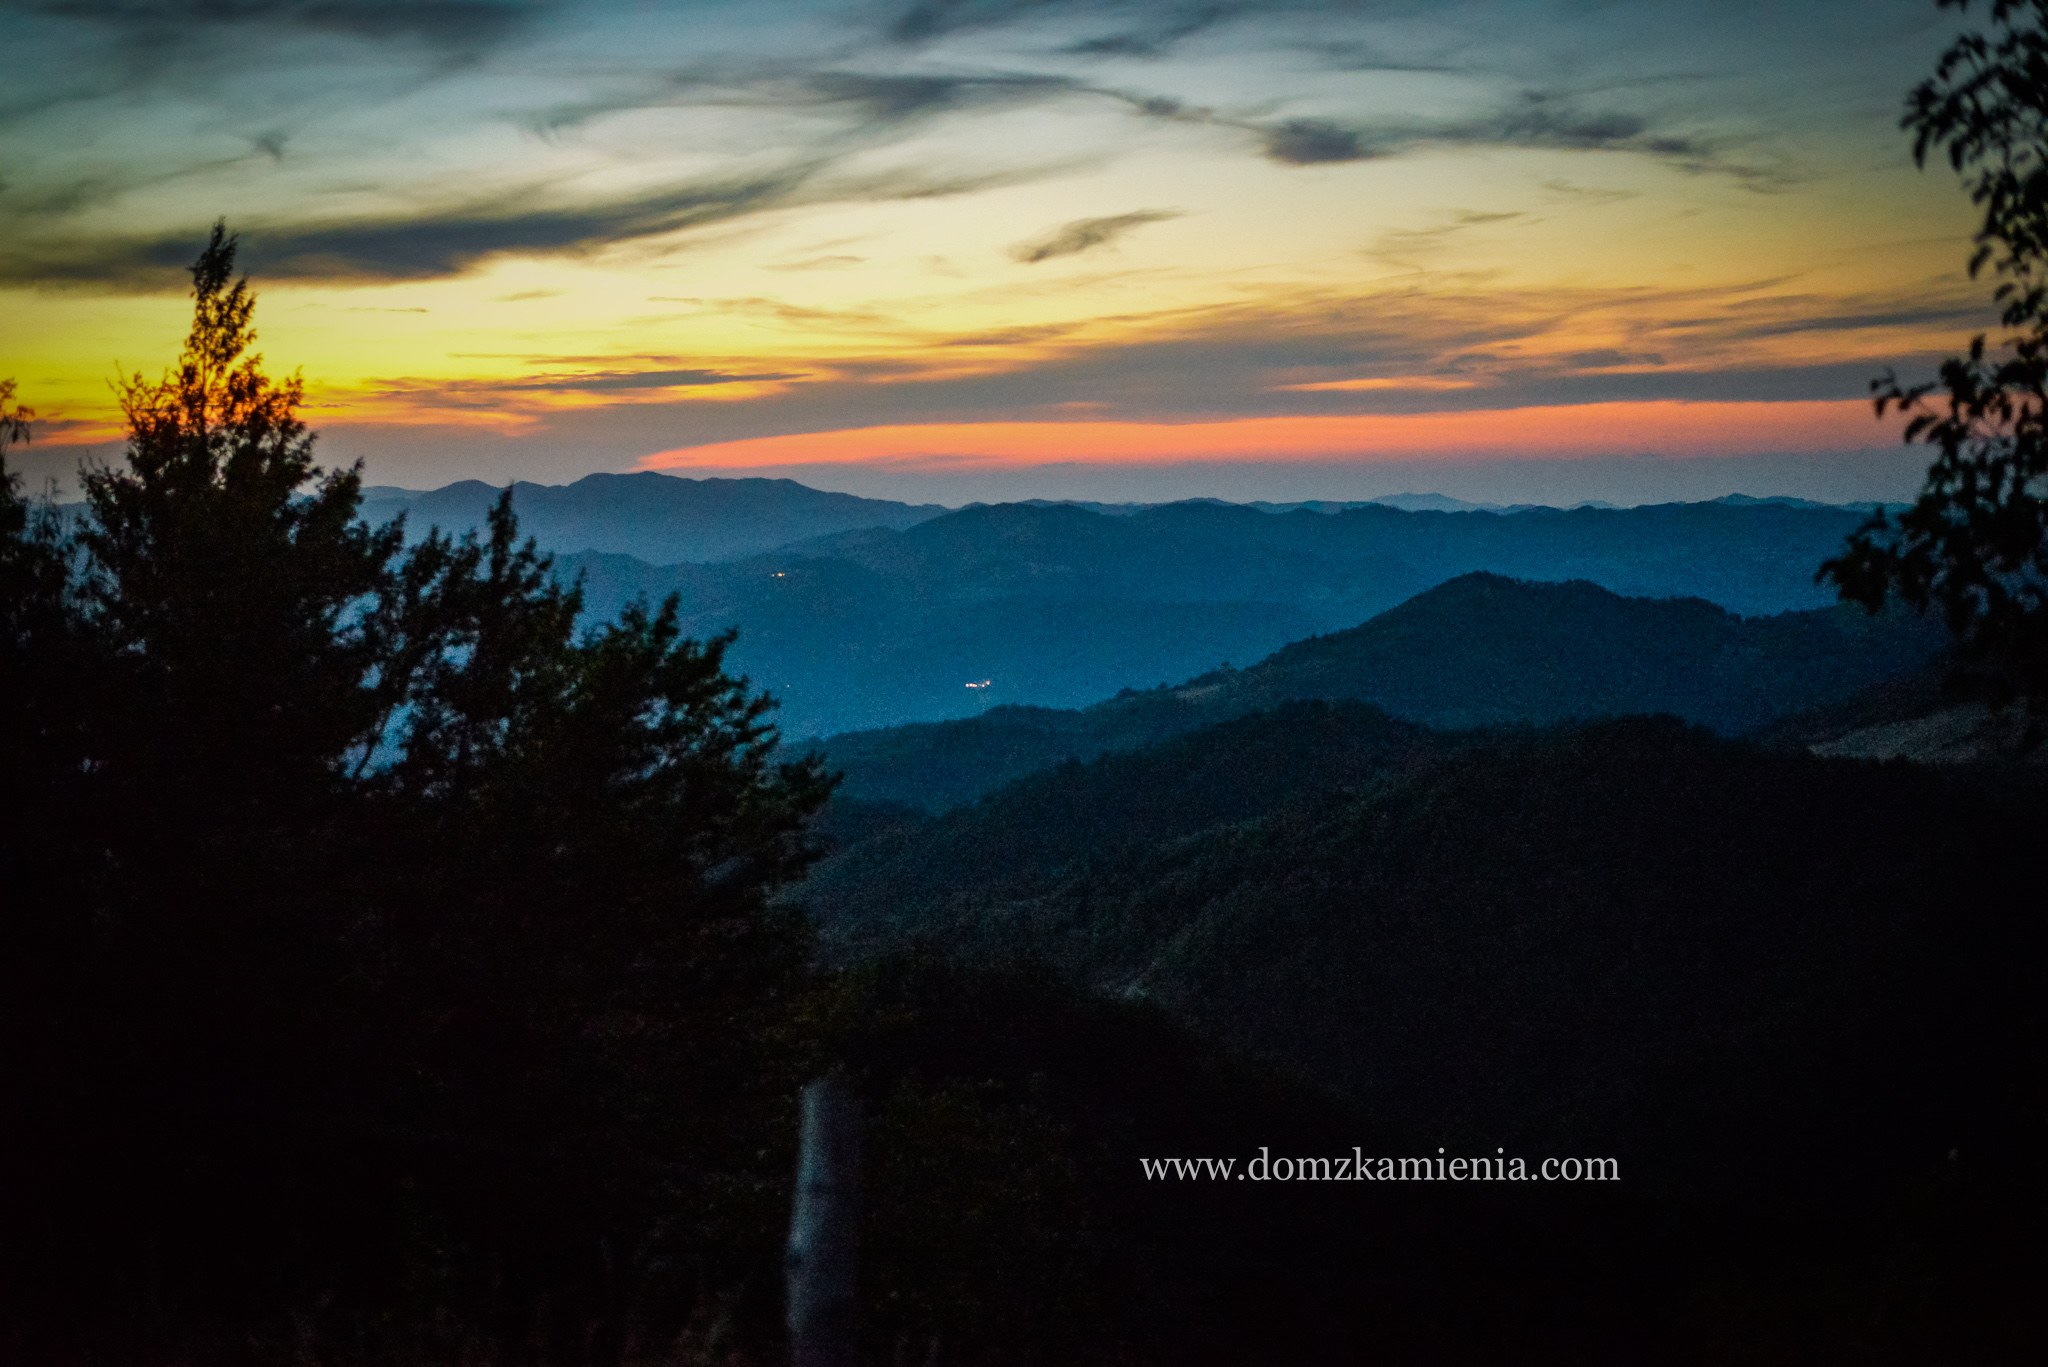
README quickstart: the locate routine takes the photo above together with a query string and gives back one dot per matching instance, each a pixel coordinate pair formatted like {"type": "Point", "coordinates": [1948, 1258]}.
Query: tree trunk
{"type": "Point", "coordinates": [822, 1228]}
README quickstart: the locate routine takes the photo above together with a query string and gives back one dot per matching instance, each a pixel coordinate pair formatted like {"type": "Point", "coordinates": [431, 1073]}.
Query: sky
{"type": "Point", "coordinates": [958, 249]}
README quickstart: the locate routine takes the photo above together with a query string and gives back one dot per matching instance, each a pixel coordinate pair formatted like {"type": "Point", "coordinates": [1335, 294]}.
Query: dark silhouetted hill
{"type": "Point", "coordinates": [1795, 998]}
{"type": "Point", "coordinates": [1060, 823]}
{"type": "Point", "coordinates": [1633, 939]}
{"type": "Point", "coordinates": [1483, 650]}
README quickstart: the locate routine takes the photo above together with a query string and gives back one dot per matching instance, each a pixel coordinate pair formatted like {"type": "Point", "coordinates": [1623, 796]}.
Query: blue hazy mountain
{"type": "Point", "coordinates": [1345, 564]}
{"type": "Point", "coordinates": [859, 613]}
{"type": "Point", "coordinates": [1478, 651]}
{"type": "Point", "coordinates": [662, 519]}
{"type": "Point", "coordinates": [1059, 605]}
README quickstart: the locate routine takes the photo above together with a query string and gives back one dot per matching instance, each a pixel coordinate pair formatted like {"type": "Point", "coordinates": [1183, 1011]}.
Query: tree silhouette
{"type": "Point", "coordinates": [14, 419]}
{"type": "Point", "coordinates": [376, 934]}
{"type": "Point", "coordinates": [1975, 542]}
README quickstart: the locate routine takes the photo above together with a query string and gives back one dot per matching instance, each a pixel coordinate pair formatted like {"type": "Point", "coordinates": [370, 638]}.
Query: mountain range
{"type": "Point", "coordinates": [661, 519]}
{"type": "Point", "coordinates": [862, 613]}
{"type": "Point", "coordinates": [945, 614]}
{"type": "Point", "coordinates": [1479, 651]}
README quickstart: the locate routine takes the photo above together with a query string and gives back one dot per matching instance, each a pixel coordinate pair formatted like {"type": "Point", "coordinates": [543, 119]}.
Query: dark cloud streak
{"type": "Point", "coordinates": [435, 243]}
{"type": "Point", "coordinates": [450, 243]}
{"type": "Point", "coordinates": [1145, 28]}
{"type": "Point", "coordinates": [1314, 142]}
{"type": "Point", "coordinates": [461, 27]}
{"type": "Point", "coordinates": [421, 247]}
{"type": "Point", "coordinates": [613, 381]}
{"type": "Point", "coordinates": [1086, 234]}
{"type": "Point", "coordinates": [1156, 38]}
{"type": "Point", "coordinates": [876, 103]}
{"type": "Point", "coordinates": [1538, 119]}
{"type": "Point", "coordinates": [926, 20]}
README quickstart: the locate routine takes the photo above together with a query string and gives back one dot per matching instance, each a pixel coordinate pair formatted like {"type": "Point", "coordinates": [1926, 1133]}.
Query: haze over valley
{"type": "Point", "coordinates": [857, 614]}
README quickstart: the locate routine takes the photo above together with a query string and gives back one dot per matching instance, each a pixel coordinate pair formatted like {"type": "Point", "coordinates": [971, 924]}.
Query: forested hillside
{"type": "Point", "coordinates": [1474, 880]}
{"type": "Point", "coordinates": [1075, 820]}
{"type": "Point", "coordinates": [1791, 995]}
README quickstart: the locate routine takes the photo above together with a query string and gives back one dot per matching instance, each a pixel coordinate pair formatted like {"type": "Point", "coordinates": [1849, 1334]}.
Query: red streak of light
{"type": "Point", "coordinates": [1662, 427]}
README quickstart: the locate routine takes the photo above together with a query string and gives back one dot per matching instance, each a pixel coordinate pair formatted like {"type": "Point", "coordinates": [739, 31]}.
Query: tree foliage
{"type": "Point", "coordinates": [1975, 542]}
{"type": "Point", "coordinates": [14, 419]}
{"type": "Point", "coordinates": [375, 934]}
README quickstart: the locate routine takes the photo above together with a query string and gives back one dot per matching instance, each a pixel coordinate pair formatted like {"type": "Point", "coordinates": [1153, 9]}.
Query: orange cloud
{"type": "Point", "coordinates": [1666, 428]}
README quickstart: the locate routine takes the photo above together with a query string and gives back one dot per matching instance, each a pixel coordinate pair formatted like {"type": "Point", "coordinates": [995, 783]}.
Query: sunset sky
{"type": "Point", "coordinates": [953, 249]}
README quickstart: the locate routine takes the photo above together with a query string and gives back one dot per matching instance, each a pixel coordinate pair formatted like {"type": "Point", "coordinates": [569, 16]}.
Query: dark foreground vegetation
{"type": "Point", "coordinates": [1798, 999]}
{"type": "Point", "coordinates": [388, 968]}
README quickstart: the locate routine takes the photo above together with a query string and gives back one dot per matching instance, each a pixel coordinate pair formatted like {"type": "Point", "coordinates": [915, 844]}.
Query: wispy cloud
{"type": "Point", "coordinates": [828, 107]}
{"type": "Point", "coordinates": [616, 380]}
{"type": "Point", "coordinates": [1154, 36]}
{"type": "Point", "coordinates": [1086, 234]}
{"type": "Point", "coordinates": [924, 20]}
{"type": "Point", "coordinates": [1534, 119]}
{"type": "Point", "coordinates": [418, 246]}
{"type": "Point", "coordinates": [523, 401]}
{"type": "Point", "coordinates": [1315, 354]}
{"type": "Point", "coordinates": [866, 103]}
{"type": "Point", "coordinates": [432, 243]}
{"type": "Point", "coordinates": [780, 310]}
{"type": "Point", "coordinates": [1402, 246]}
{"type": "Point", "coordinates": [837, 261]}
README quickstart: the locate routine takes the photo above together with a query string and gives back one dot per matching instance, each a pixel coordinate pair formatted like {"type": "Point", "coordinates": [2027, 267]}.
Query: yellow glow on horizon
{"type": "Point", "coordinates": [1469, 268]}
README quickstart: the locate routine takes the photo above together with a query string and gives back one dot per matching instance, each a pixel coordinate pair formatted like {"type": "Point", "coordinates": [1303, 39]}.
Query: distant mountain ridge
{"type": "Point", "coordinates": [1481, 650]}
{"type": "Point", "coordinates": [1486, 650]}
{"type": "Point", "coordinates": [1353, 561]}
{"type": "Point", "coordinates": [668, 519]}
{"type": "Point", "coordinates": [862, 613]}
{"type": "Point", "coordinates": [661, 519]}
